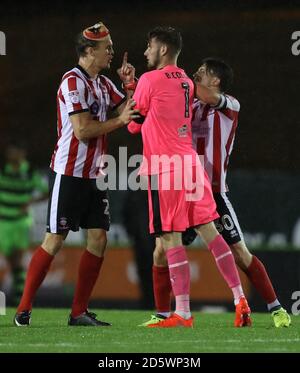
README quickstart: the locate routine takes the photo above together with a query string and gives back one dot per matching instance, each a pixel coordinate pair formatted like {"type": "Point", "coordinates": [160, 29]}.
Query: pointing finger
{"type": "Point", "coordinates": [125, 57]}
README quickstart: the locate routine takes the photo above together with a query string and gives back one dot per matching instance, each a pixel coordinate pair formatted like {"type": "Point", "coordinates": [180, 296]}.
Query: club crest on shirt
{"type": "Point", "coordinates": [94, 108]}
{"type": "Point", "coordinates": [182, 131]}
{"type": "Point", "coordinates": [74, 97]}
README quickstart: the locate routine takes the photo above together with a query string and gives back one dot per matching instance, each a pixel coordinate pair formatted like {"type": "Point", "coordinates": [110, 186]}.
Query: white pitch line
{"type": "Point", "coordinates": [203, 341]}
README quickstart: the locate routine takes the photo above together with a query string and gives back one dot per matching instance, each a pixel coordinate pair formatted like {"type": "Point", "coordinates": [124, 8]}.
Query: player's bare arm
{"type": "Point", "coordinates": [86, 128]}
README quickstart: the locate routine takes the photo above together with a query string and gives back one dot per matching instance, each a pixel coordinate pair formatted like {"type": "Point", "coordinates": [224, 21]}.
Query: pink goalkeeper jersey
{"type": "Point", "coordinates": [164, 98]}
{"type": "Point", "coordinates": [213, 136]}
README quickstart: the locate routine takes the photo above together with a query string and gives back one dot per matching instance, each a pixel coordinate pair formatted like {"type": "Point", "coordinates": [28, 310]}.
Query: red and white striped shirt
{"type": "Point", "coordinates": [213, 130]}
{"type": "Point", "coordinates": [78, 92]}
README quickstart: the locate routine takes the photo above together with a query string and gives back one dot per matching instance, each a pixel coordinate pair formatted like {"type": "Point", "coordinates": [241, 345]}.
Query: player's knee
{"type": "Point", "coordinates": [207, 232]}
{"type": "Point", "coordinates": [159, 256]}
{"type": "Point", "coordinates": [52, 243]}
{"type": "Point", "coordinates": [237, 258]}
{"type": "Point", "coordinates": [97, 241]}
{"type": "Point", "coordinates": [241, 254]}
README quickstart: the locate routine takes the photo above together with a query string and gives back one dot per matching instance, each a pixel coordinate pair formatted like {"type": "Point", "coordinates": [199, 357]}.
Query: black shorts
{"type": "Point", "coordinates": [227, 224]}
{"type": "Point", "coordinates": [76, 202]}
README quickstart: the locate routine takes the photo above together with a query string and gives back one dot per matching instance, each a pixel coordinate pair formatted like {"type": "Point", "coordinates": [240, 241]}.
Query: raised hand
{"type": "Point", "coordinates": [127, 71]}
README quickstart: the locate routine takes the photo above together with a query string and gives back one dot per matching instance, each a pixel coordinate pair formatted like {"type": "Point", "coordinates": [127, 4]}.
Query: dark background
{"type": "Point", "coordinates": [254, 37]}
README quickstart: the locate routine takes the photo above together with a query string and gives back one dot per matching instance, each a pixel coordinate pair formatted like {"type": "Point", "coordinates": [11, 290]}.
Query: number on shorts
{"type": "Point", "coordinates": [106, 210]}
{"type": "Point", "coordinates": [227, 222]}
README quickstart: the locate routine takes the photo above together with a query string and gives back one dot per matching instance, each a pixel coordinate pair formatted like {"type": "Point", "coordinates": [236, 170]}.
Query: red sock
{"type": "Point", "coordinates": [37, 270]}
{"type": "Point", "coordinates": [259, 278]}
{"type": "Point", "coordinates": [88, 272]}
{"type": "Point", "coordinates": [162, 288]}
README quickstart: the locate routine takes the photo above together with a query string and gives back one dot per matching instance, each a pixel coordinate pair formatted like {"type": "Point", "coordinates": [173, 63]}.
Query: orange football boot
{"type": "Point", "coordinates": [242, 314]}
{"type": "Point", "coordinates": [173, 321]}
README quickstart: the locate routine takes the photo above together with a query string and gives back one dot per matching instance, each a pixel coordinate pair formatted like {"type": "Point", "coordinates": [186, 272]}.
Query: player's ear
{"type": "Point", "coordinates": [215, 81]}
{"type": "Point", "coordinates": [163, 49]}
{"type": "Point", "coordinates": [89, 51]}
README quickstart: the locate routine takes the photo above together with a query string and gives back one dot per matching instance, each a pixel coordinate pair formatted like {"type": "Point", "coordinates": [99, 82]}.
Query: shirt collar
{"type": "Point", "coordinates": [85, 73]}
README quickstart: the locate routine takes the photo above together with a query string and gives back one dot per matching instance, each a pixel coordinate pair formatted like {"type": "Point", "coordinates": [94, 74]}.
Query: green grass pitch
{"type": "Point", "coordinates": [212, 333]}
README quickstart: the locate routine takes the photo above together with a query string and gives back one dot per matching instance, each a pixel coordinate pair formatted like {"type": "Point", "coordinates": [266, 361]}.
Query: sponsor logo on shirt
{"type": "Point", "coordinates": [182, 131]}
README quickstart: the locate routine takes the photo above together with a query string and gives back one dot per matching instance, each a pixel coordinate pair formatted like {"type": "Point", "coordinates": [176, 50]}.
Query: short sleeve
{"type": "Point", "coordinates": [233, 103]}
{"type": "Point", "coordinates": [116, 98]}
{"type": "Point", "coordinates": [232, 108]}
{"type": "Point", "coordinates": [227, 102]}
{"type": "Point", "coordinates": [74, 92]}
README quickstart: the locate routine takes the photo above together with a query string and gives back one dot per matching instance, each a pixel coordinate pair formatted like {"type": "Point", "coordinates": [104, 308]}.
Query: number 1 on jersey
{"type": "Point", "coordinates": [186, 88]}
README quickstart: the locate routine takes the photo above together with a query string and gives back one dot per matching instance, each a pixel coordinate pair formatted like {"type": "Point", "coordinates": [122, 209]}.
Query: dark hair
{"type": "Point", "coordinates": [217, 67]}
{"type": "Point", "coordinates": [169, 36]}
{"type": "Point", "coordinates": [81, 43]}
